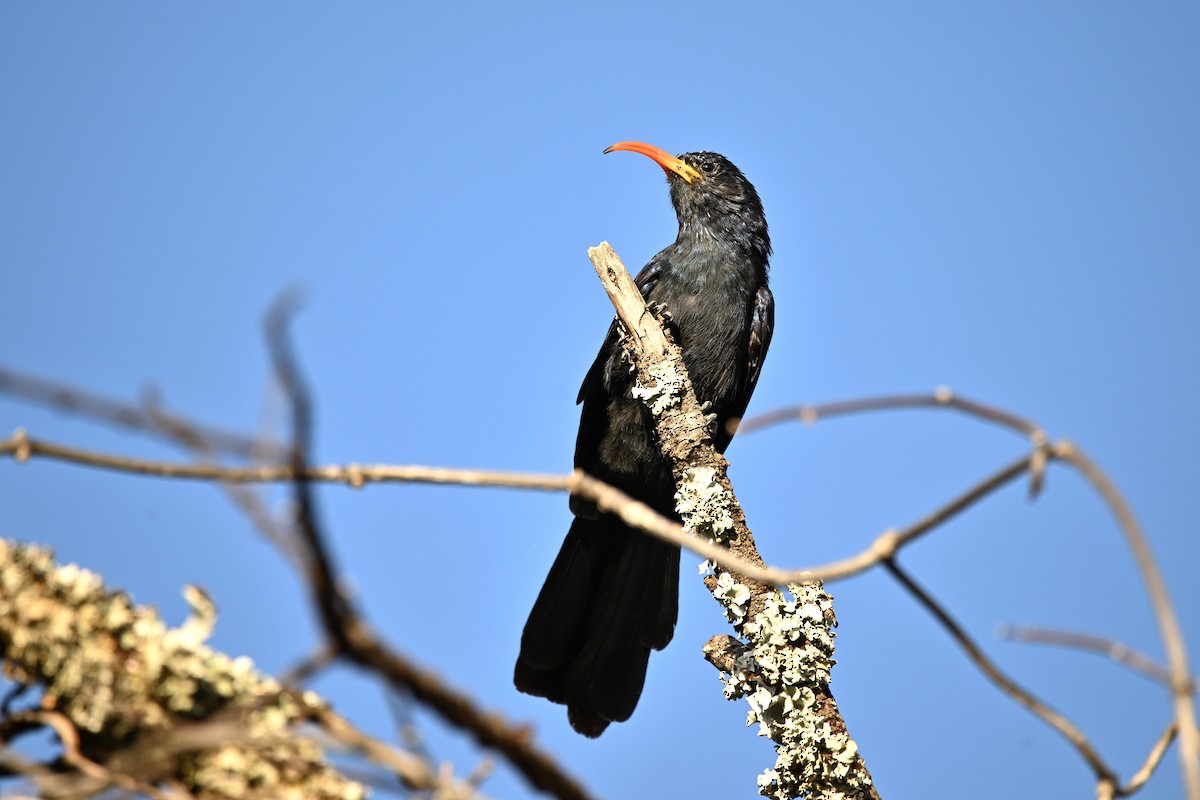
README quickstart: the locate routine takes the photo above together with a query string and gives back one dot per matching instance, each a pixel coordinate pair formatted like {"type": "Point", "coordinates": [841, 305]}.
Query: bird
{"type": "Point", "coordinates": [612, 593]}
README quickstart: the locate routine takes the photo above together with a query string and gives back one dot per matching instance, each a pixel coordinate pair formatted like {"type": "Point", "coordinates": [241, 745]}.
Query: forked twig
{"type": "Point", "coordinates": [1006, 684]}
{"type": "Point", "coordinates": [1180, 682]}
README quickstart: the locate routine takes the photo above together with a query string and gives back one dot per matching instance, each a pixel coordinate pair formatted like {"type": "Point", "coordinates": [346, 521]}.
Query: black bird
{"type": "Point", "coordinates": [612, 594]}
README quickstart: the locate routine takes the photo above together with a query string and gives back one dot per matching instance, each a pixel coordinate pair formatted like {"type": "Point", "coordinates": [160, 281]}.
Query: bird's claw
{"type": "Point", "coordinates": [710, 418]}
{"type": "Point", "coordinates": [657, 309]}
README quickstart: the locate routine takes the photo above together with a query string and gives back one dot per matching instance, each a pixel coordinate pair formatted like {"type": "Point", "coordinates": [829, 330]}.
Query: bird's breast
{"type": "Point", "coordinates": [710, 312]}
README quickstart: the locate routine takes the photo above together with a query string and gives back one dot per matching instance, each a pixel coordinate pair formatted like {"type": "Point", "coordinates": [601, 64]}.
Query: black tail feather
{"type": "Point", "coordinates": [610, 597]}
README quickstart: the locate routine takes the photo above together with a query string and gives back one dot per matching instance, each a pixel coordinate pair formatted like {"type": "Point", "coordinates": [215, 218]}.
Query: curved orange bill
{"type": "Point", "coordinates": [668, 162]}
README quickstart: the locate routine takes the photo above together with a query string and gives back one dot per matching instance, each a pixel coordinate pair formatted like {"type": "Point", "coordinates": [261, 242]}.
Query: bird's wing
{"type": "Point", "coordinates": [762, 325]}
{"type": "Point", "coordinates": [594, 380]}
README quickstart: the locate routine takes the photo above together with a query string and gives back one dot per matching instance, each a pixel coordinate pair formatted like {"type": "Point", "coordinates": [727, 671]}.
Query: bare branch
{"type": "Point", "coordinates": [1153, 759]}
{"type": "Point", "coordinates": [1116, 651]}
{"type": "Point", "coordinates": [942, 398]}
{"type": "Point", "coordinates": [305, 670]}
{"type": "Point", "coordinates": [1180, 683]}
{"type": "Point", "coordinates": [1164, 611]}
{"type": "Point", "coordinates": [21, 447]}
{"type": "Point", "coordinates": [1006, 684]}
{"type": "Point", "coordinates": [891, 541]}
{"type": "Point", "coordinates": [415, 773]}
{"type": "Point", "coordinates": [89, 404]}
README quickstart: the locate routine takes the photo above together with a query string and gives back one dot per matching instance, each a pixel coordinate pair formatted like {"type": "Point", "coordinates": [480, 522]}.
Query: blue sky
{"type": "Point", "coordinates": [1003, 198]}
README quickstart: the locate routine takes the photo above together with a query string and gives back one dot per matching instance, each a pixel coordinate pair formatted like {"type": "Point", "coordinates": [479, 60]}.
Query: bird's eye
{"type": "Point", "coordinates": [708, 167]}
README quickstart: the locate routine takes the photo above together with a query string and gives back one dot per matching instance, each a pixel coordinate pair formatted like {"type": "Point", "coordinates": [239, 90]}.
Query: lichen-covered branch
{"type": "Point", "coordinates": [781, 665]}
{"type": "Point", "coordinates": [151, 703]}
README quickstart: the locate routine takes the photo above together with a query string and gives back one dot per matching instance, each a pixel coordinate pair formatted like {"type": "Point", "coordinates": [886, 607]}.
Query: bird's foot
{"type": "Point", "coordinates": [658, 310]}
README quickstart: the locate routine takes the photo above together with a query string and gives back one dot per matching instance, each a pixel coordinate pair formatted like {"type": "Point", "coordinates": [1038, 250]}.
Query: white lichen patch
{"type": "Point", "coordinates": [733, 596]}
{"type": "Point", "coordinates": [113, 668]}
{"type": "Point", "coordinates": [706, 508]}
{"type": "Point", "coordinates": [788, 661]}
{"type": "Point", "coordinates": [664, 389]}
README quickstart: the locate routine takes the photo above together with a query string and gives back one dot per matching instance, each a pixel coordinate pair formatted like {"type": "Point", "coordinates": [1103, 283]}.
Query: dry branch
{"type": "Point", "coordinates": [22, 447]}
{"type": "Point", "coordinates": [1104, 774]}
{"type": "Point", "coordinates": [1164, 610]}
{"type": "Point", "coordinates": [1114, 650]}
{"type": "Point", "coordinates": [149, 419]}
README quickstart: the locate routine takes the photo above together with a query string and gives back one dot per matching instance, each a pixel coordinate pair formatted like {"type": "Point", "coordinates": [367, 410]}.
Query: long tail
{"type": "Point", "coordinates": [611, 596]}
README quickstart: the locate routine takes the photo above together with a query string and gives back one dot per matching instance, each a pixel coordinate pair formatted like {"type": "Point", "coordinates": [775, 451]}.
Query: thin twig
{"type": "Point", "coordinates": [1006, 684]}
{"type": "Point", "coordinates": [103, 777]}
{"type": "Point", "coordinates": [23, 447]}
{"type": "Point", "coordinates": [313, 664]}
{"type": "Point", "coordinates": [1164, 611]}
{"type": "Point", "coordinates": [1114, 650]}
{"type": "Point", "coordinates": [1153, 759]}
{"type": "Point", "coordinates": [891, 541]}
{"type": "Point", "coordinates": [941, 398]}
{"type": "Point", "coordinates": [401, 706]}
{"type": "Point", "coordinates": [77, 401]}
{"type": "Point", "coordinates": [195, 439]}
{"type": "Point", "coordinates": [1180, 683]}
{"type": "Point", "coordinates": [414, 772]}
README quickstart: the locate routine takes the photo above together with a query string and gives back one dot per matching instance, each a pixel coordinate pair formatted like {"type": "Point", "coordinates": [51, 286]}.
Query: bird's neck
{"type": "Point", "coordinates": [741, 238]}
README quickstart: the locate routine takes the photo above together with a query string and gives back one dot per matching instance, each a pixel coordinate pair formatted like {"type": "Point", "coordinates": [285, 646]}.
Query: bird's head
{"type": "Point", "coordinates": [712, 198]}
